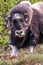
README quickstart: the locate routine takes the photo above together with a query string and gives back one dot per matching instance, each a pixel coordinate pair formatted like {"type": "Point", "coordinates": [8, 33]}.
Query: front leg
{"type": "Point", "coordinates": [33, 43]}
{"type": "Point", "coordinates": [34, 38]}
{"type": "Point", "coordinates": [14, 50]}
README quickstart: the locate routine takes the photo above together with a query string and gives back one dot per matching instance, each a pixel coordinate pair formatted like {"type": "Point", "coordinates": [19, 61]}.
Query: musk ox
{"type": "Point", "coordinates": [26, 24]}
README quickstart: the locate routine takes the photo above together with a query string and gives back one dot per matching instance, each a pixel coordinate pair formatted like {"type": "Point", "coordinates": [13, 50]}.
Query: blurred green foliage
{"type": "Point", "coordinates": [5, 6]}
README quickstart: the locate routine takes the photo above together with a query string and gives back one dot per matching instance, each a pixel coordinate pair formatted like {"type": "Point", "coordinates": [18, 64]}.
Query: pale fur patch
{"type": "Point", "coordinates": [14, 51]}
{"type": "Point", "coordinates": [38, 6]}
{"type": "Point", "coordinates": [31, 49]}
{"type": "Point", "coordinates": [26, 2]}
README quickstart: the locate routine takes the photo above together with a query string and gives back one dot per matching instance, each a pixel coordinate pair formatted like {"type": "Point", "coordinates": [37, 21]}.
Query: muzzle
{"type": "Point", "coordinates": [19, 33]}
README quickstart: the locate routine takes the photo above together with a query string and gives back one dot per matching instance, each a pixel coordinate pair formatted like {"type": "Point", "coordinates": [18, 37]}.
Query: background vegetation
{"type": "Point", "coordinates": [5, 6]}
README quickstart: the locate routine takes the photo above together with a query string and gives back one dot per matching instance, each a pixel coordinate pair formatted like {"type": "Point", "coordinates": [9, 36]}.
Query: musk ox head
{"type": "Point", "coordinates": [19, 21]}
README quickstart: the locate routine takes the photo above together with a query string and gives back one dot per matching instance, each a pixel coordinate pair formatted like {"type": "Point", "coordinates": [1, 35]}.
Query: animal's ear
{"type": "Point", "coordinates": [6, 20]}
{"type": "Point", "coordinates": [9, 23]}
{"type": "Point", "coordinates": [26, 17]}
{"type": "Point", "coordinates": [9, 18]}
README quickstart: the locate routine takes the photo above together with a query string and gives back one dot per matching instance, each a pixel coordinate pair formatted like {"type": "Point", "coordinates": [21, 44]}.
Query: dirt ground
{"type": "Point", "coordinates": [24, 57]}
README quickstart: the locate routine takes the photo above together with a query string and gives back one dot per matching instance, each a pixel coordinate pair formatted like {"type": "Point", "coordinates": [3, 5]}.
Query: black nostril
{"type": "Point", "coordinates": [19, 32]}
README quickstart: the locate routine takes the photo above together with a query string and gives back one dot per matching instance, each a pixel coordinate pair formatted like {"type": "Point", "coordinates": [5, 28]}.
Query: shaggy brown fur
{"type": "Point", "coordinates": [27, 18]}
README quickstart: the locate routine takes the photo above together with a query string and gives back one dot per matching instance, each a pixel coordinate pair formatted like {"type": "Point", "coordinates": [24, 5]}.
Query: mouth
{"type": "Point", "coordinates": [19, 41]}
{"type": "Point", "coordinates": [20, 36]}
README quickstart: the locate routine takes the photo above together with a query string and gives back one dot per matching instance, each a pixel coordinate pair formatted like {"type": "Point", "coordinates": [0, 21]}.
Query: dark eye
{"type": "Point", "coordinates": [14, 21]}
{"type": "Point", "coordinates": [21, 20]}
